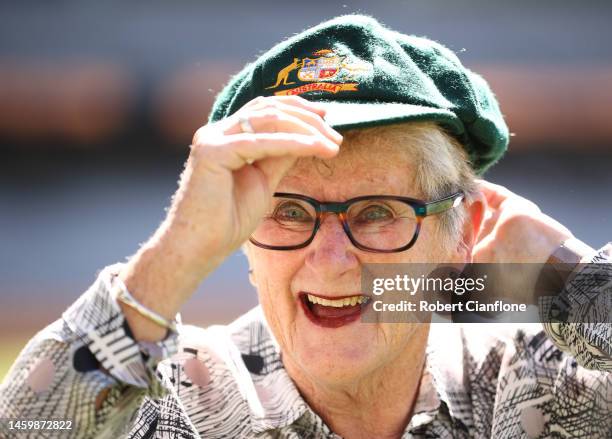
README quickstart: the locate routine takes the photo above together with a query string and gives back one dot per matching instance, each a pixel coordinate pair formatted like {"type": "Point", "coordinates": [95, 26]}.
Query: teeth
{"type": "Point", "coordinates": [337, 303]}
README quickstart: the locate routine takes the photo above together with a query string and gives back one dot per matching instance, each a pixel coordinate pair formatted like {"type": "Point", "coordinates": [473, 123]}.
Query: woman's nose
{"type": "Point", "coordinates": [331, 252]}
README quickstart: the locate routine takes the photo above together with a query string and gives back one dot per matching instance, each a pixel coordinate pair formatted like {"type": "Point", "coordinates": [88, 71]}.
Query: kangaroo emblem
{"type": "Point", "coordinates": [283, 75]}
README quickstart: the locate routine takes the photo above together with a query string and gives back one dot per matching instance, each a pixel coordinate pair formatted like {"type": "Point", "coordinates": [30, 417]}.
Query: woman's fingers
{"type": "Point", "coordinates": [494, 193]}
{"type": "Point", "coordinates": [239, 149]}
{"type": "Point", "coordinates": [312, 119]}
{"type": "Point", "coordinates": [489, 223]}
{"type": "Point", "coordinates": [275, 126]}
{"type": "Point", "coordinates": [505, 207]}
{"type": "Point", "coordinates": [295, 101]}
{"type": "Point", "coordinates": [269, 114]}
{"type": "Point", "coordinates": [281, 118]}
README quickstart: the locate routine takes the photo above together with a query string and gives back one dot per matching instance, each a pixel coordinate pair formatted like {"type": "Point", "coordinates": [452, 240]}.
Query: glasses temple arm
{"type": "Point", "coordinates": [443, 205]}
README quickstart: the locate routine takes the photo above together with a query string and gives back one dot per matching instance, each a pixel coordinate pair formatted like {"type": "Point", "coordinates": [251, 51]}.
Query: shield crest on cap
{"type": "Point", "coordinates": [321, 68]}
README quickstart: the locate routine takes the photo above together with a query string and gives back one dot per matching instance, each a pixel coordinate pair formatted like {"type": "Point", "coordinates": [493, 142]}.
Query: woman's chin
{"type": "Point", "coordinates": [336, 354]}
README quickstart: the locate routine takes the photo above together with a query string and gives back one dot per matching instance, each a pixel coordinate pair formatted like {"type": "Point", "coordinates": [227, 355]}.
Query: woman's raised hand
{"type": "Point", "coordinates": [231, 174]}
{"type": "Point", "coordinates": [233, 169]}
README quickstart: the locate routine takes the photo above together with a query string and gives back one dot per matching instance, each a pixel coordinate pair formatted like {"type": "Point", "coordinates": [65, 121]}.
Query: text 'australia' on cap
{"type": "Point", "coordinates": [369, 75]}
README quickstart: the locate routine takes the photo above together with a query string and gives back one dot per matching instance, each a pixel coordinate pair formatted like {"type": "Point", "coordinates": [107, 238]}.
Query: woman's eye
{"type": "Point", "coordinates": [291, 212]}
{"type": "Point", "coordinates": [375, 213]}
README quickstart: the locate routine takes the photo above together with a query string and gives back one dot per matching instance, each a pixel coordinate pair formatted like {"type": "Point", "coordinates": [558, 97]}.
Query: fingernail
{"type": "Point", "coordinates": [316, 103]}
{"type": "Point", "coordinates": [319, 106]}
{"type": "Point", "coordinates": [334, 146]}
{"type": "Point", "coordinates": [337, 136]}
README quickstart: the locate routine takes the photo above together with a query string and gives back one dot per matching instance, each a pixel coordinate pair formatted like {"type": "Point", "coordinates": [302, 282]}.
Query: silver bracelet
{"type": "Point", "coordinates": [121, 293]}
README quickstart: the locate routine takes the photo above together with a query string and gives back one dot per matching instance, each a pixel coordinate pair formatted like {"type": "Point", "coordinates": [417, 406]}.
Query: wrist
{"type": "Point", "coordinates": [571, 252]}
{"type": "Point", "coordinates": [153, 281]}
{"type": "Point", "coordinates": [162, 276]}
{"type": "Point", "coordinates": [560, 267]}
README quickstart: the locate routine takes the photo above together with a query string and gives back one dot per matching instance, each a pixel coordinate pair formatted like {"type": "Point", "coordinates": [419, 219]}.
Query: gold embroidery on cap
{"type": "Point", "coordinates": [318, 86]}
{"type": "Point", "coordinates": [283, 75]}
{"type": "Point", "coordinates": [325, 66]}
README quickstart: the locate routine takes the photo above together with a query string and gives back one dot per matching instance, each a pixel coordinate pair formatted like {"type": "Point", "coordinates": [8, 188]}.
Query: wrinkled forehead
{"type": "Point", "coordinates": [369, 163]}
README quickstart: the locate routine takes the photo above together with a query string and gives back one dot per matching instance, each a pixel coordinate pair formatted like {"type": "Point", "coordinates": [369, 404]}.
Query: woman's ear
{"type": "Point", "coordinates": [475, 211]}
{"type": "Point", "coordinates": [247, 253]}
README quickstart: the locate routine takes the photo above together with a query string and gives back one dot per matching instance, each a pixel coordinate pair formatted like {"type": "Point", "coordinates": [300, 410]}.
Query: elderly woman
{"type": "Point", "coordinates": [310, 207]}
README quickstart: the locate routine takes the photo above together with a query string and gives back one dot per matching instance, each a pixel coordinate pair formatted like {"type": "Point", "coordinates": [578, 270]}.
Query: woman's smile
{"type": "Point", "coordinates": [332, 311]}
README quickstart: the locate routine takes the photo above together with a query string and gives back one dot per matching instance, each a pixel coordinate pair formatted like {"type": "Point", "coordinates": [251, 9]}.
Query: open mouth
{"type": "Point", "coordinates": [332, 312]}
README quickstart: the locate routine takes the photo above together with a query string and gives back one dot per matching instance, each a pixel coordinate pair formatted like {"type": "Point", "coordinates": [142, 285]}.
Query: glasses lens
{"type": "Point", "coordinates": [289, 222]}
{"type": "Point", "coordinates": [382, 224]}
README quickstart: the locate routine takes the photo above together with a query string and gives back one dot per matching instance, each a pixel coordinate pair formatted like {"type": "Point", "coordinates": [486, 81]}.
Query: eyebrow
{"type": "Point", "coordinates": [299, 184]}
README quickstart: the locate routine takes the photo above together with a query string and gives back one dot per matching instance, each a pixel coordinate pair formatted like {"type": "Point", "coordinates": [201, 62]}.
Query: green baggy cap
{"type": "Point", "coordinates": [369, 75]}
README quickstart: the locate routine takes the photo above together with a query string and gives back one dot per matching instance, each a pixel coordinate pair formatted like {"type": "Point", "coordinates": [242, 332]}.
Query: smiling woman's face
{"type": "Point", "coordinates": [330, 268]}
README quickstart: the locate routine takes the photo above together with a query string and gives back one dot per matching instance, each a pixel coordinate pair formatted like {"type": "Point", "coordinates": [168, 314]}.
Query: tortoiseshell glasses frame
{"type": "Point", "coordinates": [422, 209]}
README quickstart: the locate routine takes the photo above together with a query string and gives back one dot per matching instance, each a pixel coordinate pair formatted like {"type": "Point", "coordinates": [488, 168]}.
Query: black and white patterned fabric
{"type": "Point", "coordinates": [480, 380]}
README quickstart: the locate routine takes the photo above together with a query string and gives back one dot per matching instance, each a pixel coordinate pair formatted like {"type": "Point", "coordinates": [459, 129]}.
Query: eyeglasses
{"type": "Point", "coordinates": [374, 223]}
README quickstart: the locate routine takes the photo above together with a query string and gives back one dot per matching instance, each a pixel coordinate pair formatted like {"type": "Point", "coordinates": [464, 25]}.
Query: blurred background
{"type": "Point", "coordinates": [99, 100]}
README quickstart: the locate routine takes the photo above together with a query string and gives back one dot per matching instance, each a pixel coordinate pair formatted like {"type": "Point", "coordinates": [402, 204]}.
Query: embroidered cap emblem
{"type": "Point", "coordinates": [320, 73]}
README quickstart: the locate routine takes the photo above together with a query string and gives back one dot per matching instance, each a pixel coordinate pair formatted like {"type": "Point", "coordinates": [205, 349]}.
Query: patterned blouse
{"type": "Point", "coordinates": [500, 381]}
